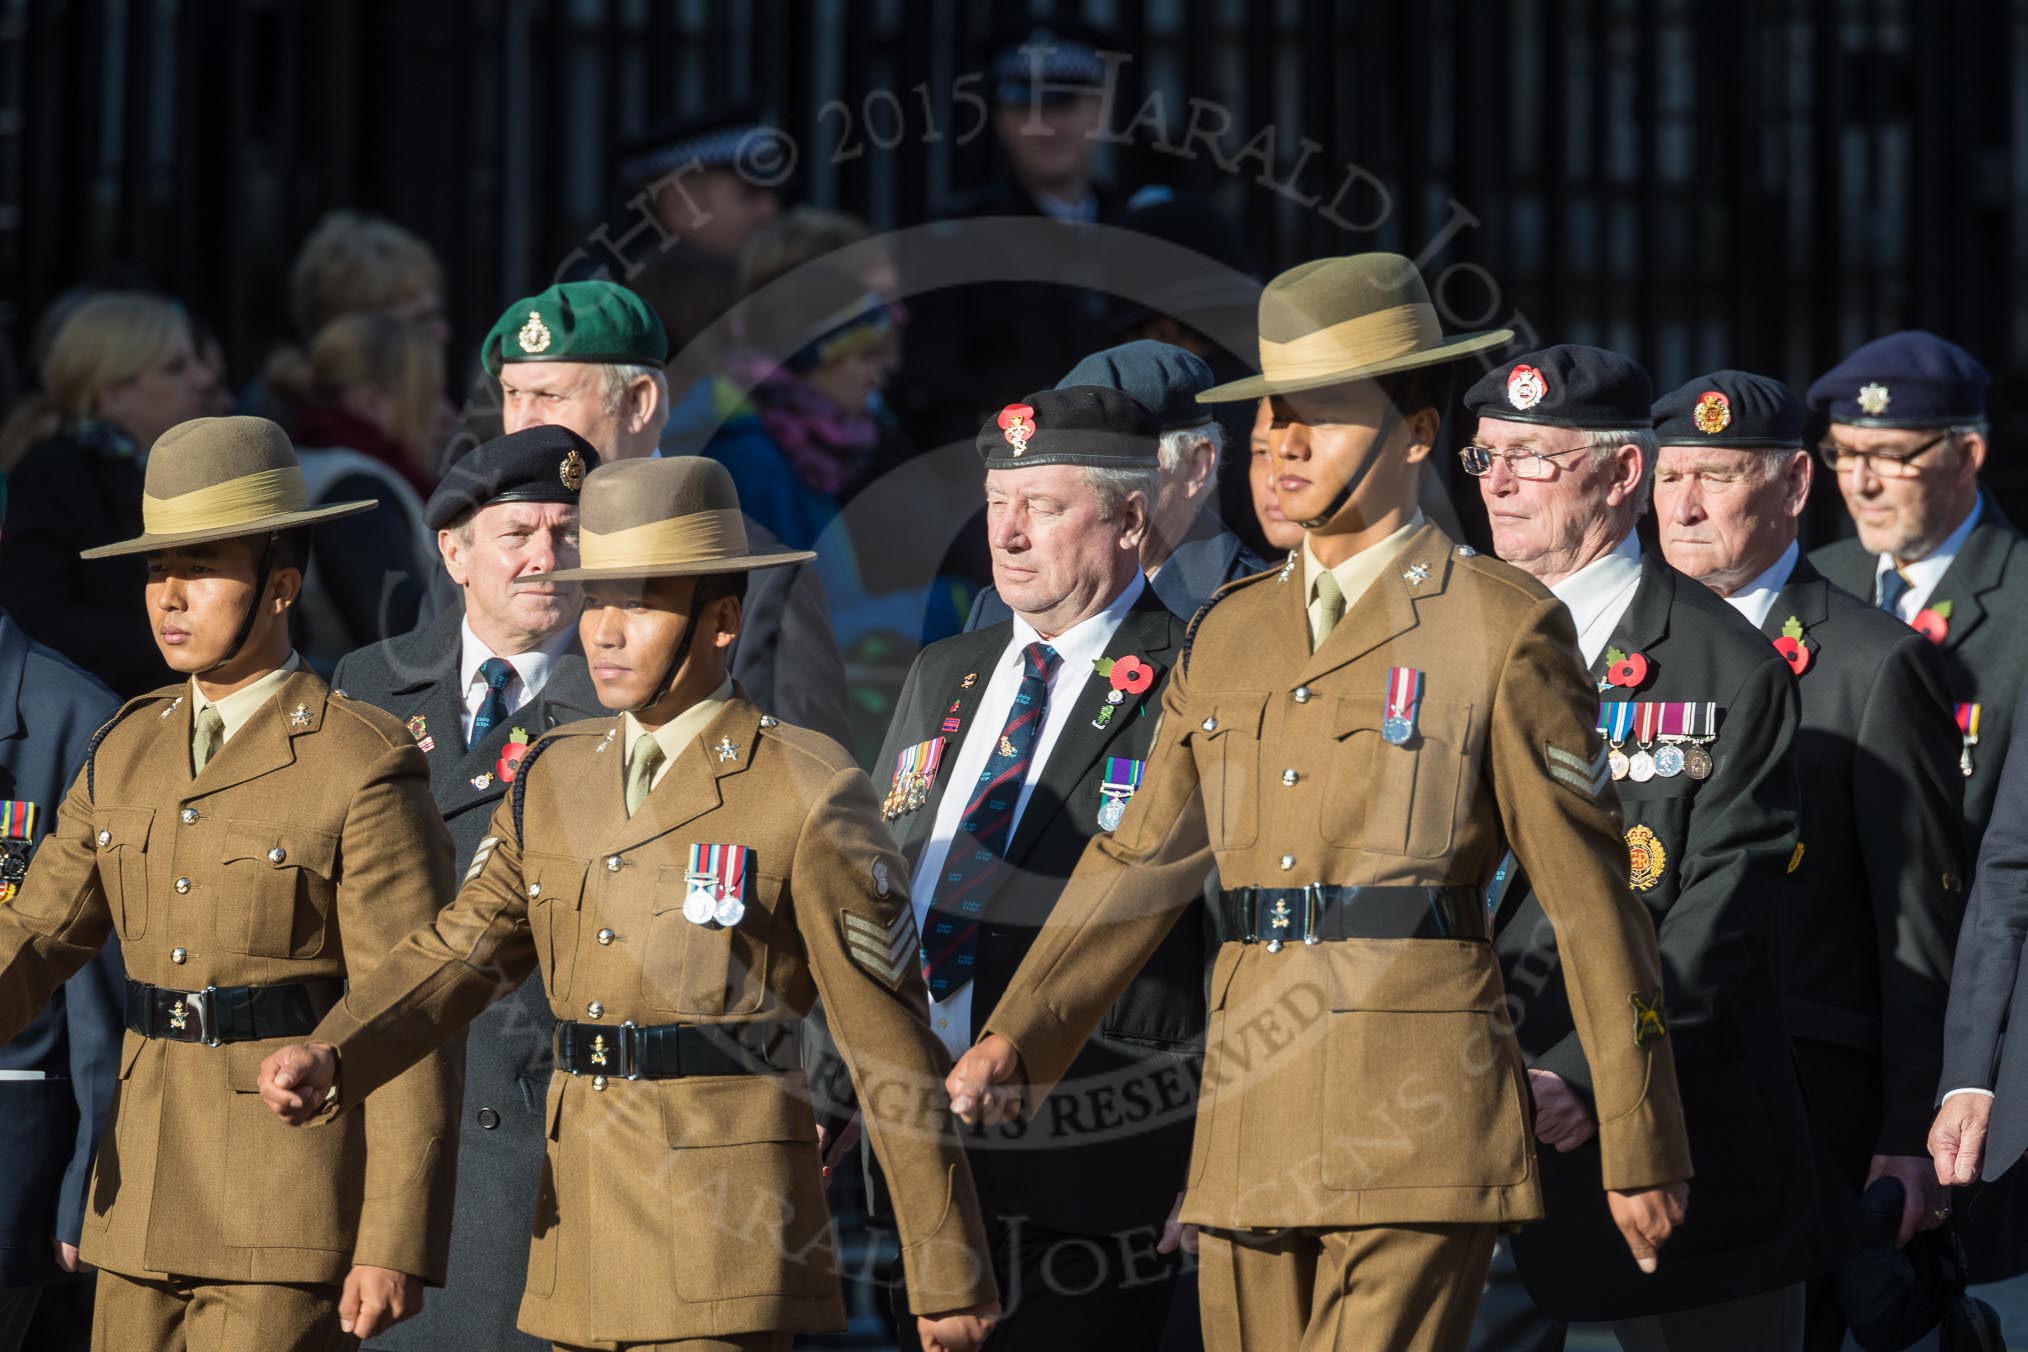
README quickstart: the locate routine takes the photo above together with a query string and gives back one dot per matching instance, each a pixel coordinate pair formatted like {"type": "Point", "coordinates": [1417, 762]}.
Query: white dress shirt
{"type": "Point", "coordinates": [1598, 594]}
{"type": "Point", "coordinates": [1077, 647]}
{"type": "Point", "coordinates": [1757, 597]}
{"type": "Point", "coordinates": [1926, 572]}
{"type": "Point", "coordinates": [531, 672]}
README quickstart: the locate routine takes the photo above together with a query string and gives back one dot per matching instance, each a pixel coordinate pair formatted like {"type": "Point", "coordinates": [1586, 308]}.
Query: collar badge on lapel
{"type": "Point", "coordinates": [606, 740]}
{"type": "Point", "coordinates": [1417, 574]}
{"type": "Point", "coordinates": [480, 781]}
{"type": "Point", "coordinates": [419, 728]}
{"type": "Point", "coordinates": [971, 679]}
{"type": "Point", "coordinates": [1791, 646]}
{"type": "Point", "coordinates": [173, 706]}
{"type": "Point", "coordinates": [299, 717]}
{"type": "Point", "coordinates": [727, 749]}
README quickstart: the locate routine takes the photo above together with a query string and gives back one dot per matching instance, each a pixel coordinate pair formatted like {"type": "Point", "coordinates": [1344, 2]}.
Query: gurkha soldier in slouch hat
{"type": "Point", "coordinates": [256, 841]}
{"type": "Point", "coordinates": [689, 875]}
{"type": "Point", "coordinates": [1358, 738]}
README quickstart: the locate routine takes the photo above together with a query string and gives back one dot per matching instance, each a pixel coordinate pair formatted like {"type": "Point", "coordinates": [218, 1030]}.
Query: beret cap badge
{"type": "Point", "coordinates": [534, 335]}
{"type": "Point", "coordinates": [571, 471]}
{"type": "Point", "coordinates": [1713, 413]}
{"type": "Point", "coordinates": [1874, 398]}
{"type": "Point", "coordinates": [1526, 387]}
{"type": "Point", "coordinates": [1018, 424]}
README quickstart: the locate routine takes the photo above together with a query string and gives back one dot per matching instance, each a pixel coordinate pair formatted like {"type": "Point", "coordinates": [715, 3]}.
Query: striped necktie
{"type": "Point", "coordinates": [951, 929]}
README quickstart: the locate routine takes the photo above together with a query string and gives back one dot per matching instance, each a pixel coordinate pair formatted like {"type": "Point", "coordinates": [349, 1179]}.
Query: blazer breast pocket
{"type": "Point", "coordinates": [1396, 799]}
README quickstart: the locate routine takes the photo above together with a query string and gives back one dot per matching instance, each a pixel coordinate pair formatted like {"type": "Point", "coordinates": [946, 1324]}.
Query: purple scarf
{"type": "Point", "coordinates": [828, 447]}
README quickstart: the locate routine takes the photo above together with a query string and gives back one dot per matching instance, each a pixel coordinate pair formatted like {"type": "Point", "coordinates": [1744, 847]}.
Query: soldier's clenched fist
{"type": "Point", "coordinates": [298, 1081]}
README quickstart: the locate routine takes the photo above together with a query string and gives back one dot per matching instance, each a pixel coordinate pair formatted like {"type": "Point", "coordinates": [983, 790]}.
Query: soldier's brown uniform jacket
{"type": "Point", "coordinates": [694, 1207]}
{"type": "Point", "coordinates": [304, 850]}
{"type": "Point", "coordinates": [1372, 1081]}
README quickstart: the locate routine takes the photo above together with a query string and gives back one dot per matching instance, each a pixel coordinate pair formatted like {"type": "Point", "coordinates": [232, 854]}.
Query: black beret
{"type": "Point", "coordinates": [1162, 376]}
{"type": "Point", "coordinates": [1730, 408]}
{"type": "Point", "coordinates": [537, 464]}
{"type": "Point", "coordinates": [1566, 386]}
{"type": "Point", "coordinates": [1907, 379]}
{"type": "Point", "coordinates": [1083, 425]}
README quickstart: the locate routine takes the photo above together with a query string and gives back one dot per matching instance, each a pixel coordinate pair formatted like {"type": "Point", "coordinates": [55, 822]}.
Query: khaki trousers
{"type": "Point", "coordinates": [745, 1342]}
{"type": "Point", "coordinates": [1369, 1289]}
{"type": "Point", "coordinates": [134, 1315]}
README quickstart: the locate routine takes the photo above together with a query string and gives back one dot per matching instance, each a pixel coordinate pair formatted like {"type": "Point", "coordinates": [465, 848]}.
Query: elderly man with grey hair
{"type": "Point", "coordinates": [588, 356]}
{"type": "Point", "coordinates": [1698, 714]}
{"type": "Point", "coordinates": [1010, 749]}
{"type": "Point", "coordinates": [1186, 551]}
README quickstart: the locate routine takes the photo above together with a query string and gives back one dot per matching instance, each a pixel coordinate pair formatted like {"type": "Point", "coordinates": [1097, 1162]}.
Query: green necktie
{"type": "Point", "coordinates": [207, 736]}
{"type": "Point", "coordinates": [1327, 607]}
{"type": "Point", "coordinates": [641, 767]}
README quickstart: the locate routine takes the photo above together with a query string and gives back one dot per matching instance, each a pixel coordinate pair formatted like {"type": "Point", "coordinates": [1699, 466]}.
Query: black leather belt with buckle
{"type": "Point", "coordinates": [219, 1014]}
{"type": "Point", "coordinates": [1322, 913]}
{"type": "Point", "coordinates": [629, 1051]}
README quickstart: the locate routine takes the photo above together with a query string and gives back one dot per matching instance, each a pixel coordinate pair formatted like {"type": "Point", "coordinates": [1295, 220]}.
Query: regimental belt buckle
{"type": "Point", "coordinates": [198, 1005]}
{"type": "Point", "coordinates": [1313, 910]}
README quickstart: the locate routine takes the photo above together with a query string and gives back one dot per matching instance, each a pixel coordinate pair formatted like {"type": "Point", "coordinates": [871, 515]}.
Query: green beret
{"type": "Point", "coordinates": [578, 321]}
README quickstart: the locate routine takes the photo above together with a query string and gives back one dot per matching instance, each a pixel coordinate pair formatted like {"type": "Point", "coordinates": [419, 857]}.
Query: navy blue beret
{"type": "Point", "coordinates": [1165, 377]}
{"type": "Point", "coordinates": [1566, 386]}
{"type": "Point", "coordinates": [1907, 379]}
{"type": "Point", "coordinates": [1083, 425]}
{"type": "Point", "coordinates": [1730, 408]}
{"type": "Point", "coordinates": [537, 464]}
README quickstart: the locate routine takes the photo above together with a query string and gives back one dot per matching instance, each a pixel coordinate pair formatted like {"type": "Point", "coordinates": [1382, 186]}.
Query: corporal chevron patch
{"type": "Point", "coordinates": [1586, 778]}
{"type": "Point", "coordinates": [480, 856]}
{"type": "Point", "coordinates": [885, 951]}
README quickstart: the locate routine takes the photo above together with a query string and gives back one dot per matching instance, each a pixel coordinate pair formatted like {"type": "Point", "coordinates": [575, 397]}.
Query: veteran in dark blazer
{"type": "Point", "coordinates": [1876, 884]}
{"type": "Point", "coordinates": [1358, 739]}
{"type": "Point", "coordinates": [1700, 715]}
{"type": "Point", "coordinates": [507, 509]}
{"type": "Point", "coordinates": [255, 841]}
{"type": "Point", "coordinates": [1186, 551]}
{"type": "Point", "coordinates": [690, 874]}
{"type": "Point", "coordinates": [1011, 748]}
{"type": "Point", "coordinates": [1906, 441]}
{"type": "Point", "coordinates": [58, 1074]}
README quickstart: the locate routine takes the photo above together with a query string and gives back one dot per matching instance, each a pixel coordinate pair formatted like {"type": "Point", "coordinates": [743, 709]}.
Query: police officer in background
{"type": "Point", "coordinates": [588, 356]}
{"type": "Point", "coordinates": [58, 1074]}
{"type": "Point", "coordinates": [1699, 717]}
{"type": "Point", "coordinates": [1876, 888]}
{"type": "Point", "coordinates": [965, 347]}
{"type": "Point", "coordinates": [474, 688]}
{"type": "Point", "coordinates": [1187, 552]}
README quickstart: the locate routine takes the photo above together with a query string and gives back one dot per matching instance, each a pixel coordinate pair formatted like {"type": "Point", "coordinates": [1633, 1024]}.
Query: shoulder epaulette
{"type": "Point", "coordinates": [1190, 634]}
